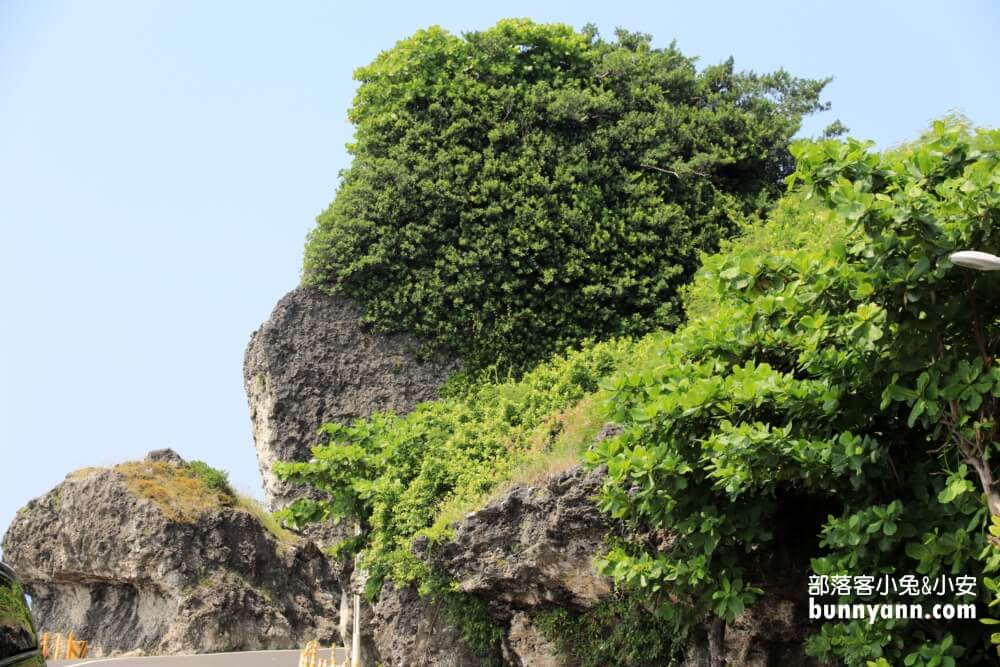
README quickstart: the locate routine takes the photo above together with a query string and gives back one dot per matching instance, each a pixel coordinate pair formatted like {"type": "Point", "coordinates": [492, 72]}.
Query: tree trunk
{"type": "Point", "coordinates": [717, 643]}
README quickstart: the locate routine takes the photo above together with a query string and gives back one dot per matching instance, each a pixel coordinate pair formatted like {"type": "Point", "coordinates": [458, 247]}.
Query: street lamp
{"type": "Point", "coordinates": [356, 637]}
{"type": "Point", "coordinates": [973, 259]}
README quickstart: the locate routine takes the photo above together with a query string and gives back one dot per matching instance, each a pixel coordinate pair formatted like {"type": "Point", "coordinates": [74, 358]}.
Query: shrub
{"type": "Point", "coordinates": [516, 190]}
{"type": "Point", "coordinates": [855, 377]}
{"type": "Point", "coordinates": [401, 477]}
{"type": "Point", "coordinates": [616, 631]}
{"type": "Point", "coordinates": [14, 612]}
{"type": "Point", "coordinates": [215, 479]}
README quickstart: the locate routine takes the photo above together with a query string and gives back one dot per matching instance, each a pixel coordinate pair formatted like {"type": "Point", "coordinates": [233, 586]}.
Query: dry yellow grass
{"type": "Point", "coordinates": [183, 496]}
{"type": "Point", "coordinates": [179, 494]}
{"type": "Point", "coordinates": [83, 472]}
{"type": "Point", "coordinates": [266, 519]}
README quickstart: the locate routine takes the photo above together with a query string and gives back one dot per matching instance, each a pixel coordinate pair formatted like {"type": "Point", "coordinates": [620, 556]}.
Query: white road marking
{"type": "Point", "coordinates": [177, 657]}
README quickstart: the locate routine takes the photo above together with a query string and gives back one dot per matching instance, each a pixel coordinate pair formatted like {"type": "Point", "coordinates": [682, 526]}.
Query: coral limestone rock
{"type": "Point", "coordinates": [412, 630]}
{"type": "Point", "coordinates": [534, 545]}
{"type": "Point", "coordinates": [311, 363]}
{"type": "Point", "coordinates": [145, 557]}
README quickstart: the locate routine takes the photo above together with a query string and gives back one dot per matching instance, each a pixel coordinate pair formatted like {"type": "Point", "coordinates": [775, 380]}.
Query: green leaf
{"type": "Point", "coordinates": [917, 410]}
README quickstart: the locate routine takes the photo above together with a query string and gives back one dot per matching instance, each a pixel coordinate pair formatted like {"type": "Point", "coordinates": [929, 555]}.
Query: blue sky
{"type": "Point", "coordinates": [161, 163]}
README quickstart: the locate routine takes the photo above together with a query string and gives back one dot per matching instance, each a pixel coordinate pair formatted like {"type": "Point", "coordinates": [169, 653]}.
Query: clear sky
{"type": "Point", "coordinates": [162, 161]}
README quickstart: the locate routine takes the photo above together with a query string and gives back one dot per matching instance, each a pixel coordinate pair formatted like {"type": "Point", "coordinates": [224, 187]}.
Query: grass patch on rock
{"type": "Point", "coordinates": [180, 492]}
{"type": "Point", "coordinates": [185, 492]}
{"type": "Point", "coordinates": [253, 507]}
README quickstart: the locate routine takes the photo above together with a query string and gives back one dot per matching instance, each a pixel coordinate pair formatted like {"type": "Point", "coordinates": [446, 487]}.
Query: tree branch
{"type": "Point", "coordinates": [671, 171]}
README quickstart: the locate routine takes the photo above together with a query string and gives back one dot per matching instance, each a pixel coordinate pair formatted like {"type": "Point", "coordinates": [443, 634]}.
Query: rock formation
{"type": "Point", "coordinates": [530, 549]}
{"type": "Point", "coordinates": [140, 557]}
{"type": "Point", "coordinates": [311, 363]}
{"type": "Point", "coordinates": [145, 556]}
{"type": "Point", "coordinates": [533, 546]}
{"type": "Point", "coordinates": [771, 631]}
{"type": "Point", "coordinates": [411, 630]}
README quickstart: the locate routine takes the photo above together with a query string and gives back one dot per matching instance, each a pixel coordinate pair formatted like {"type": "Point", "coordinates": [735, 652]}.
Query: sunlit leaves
{"type": "Point", "coordinates": [396, 475]}
{"type": "Point", "coordinates": [519, 189]}
{"type": "Point", "coordinates": [861, 372]}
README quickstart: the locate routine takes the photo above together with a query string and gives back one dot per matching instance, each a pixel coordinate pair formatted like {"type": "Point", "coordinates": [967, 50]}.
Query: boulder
{"type": "Point", "coordinates": [311, 363]}
{"type": "Point", "coordinates": [412, 630]}
{"type": "Point", "coordinates": [533, 546]}
{"type": "Point", "coordinates": [139, 557]}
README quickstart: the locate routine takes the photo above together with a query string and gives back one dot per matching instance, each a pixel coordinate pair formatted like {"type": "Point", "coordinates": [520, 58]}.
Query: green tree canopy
{"type": "Point", "coordinates": [856, 377]}
{"type": "Point", "coordinates": [516, 190]}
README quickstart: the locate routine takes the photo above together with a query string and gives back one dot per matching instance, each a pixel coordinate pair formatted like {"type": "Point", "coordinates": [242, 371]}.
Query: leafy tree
{"type": "Point", "coordinates": [856, 376]}
{"type": "Point", "coordinates": [519, 189]}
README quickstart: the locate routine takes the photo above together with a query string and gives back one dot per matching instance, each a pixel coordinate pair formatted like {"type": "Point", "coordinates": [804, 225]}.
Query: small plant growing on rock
{"type": "Point", "coordinates": [215, 479]}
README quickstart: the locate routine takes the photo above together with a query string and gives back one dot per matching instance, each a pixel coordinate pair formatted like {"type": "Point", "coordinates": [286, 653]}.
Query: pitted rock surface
{"type": "Point", "coordinates": [529, 647]}
{"type": "Point", "coordinates": [109, 566]}
{"type": "Point", "coordinates": [771, 631]}
{"type": "Point", "coordinates": [311, 363]}
{"type": "Point", "coordinates": [534, 546]}
{"type": "Point", "coordinates": [410, 630]}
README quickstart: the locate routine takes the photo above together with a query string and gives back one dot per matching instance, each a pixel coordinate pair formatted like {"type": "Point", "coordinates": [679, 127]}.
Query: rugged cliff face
{"type": "Point", "coordinates": [529, 550]}
{"type": "Point", "coordinates": [311, 363]}
{"type": "Point", "coordinates": [144, 556]}
{"type": "Point", "coordinates": [139, 557]}
{"type": "Point", "coordinates": [532, 547]}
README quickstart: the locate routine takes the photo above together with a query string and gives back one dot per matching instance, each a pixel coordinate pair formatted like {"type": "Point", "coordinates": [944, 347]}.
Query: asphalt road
{"type": "Point", "coordinates": [245, 659]}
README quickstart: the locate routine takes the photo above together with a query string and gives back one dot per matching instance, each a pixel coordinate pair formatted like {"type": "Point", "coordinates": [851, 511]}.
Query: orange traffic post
{"type": "Point", "coordinates": [75, 648]}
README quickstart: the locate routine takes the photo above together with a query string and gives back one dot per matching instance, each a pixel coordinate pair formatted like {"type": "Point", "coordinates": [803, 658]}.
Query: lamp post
{"type": "Point", "coordinates": [981, 261]}
{"type": "Point", "coordinates": [356, 635]}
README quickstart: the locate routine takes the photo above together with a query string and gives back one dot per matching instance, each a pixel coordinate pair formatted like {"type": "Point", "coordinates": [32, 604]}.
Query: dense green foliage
{"type": "Point", "coordinates": [836, 382]}
{"type": "Point", "coordinates": [213, 478]}
{"type": "Point", "coordinates": [855, 377]}
{"type": "Point", "coordinates": [407, 476]}
{"type": "Point", "coordinates": [469, 614]}
{"type": "Point", "coordinates": [14, 610]}
{"type": "Point", "coordinates": [517, 190]}
{"type": "Point", "coordinates": [618, 631]}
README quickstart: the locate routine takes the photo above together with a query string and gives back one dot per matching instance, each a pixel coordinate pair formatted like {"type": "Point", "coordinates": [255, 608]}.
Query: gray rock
{"type": "Point", "coordinates": [117, 570]}
{"type": "Point", "coordinates": [165, 456]}
{"type": "Point", "coordinates": [771, 631]}
{"type": "Point", "coordinates": [529, 646]}
{"type": "Point", "coordinates": [532, 547]}
{"type": "Point", "coordinates": [311, 363]}
{"type": "Point", "coordinates": [411, 630]}
{"type": "Point", "coordinates": [529, 549]}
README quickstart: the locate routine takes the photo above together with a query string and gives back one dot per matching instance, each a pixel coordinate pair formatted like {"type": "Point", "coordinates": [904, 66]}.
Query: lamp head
{"type": "Point", "coordinates": [973, 259]}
